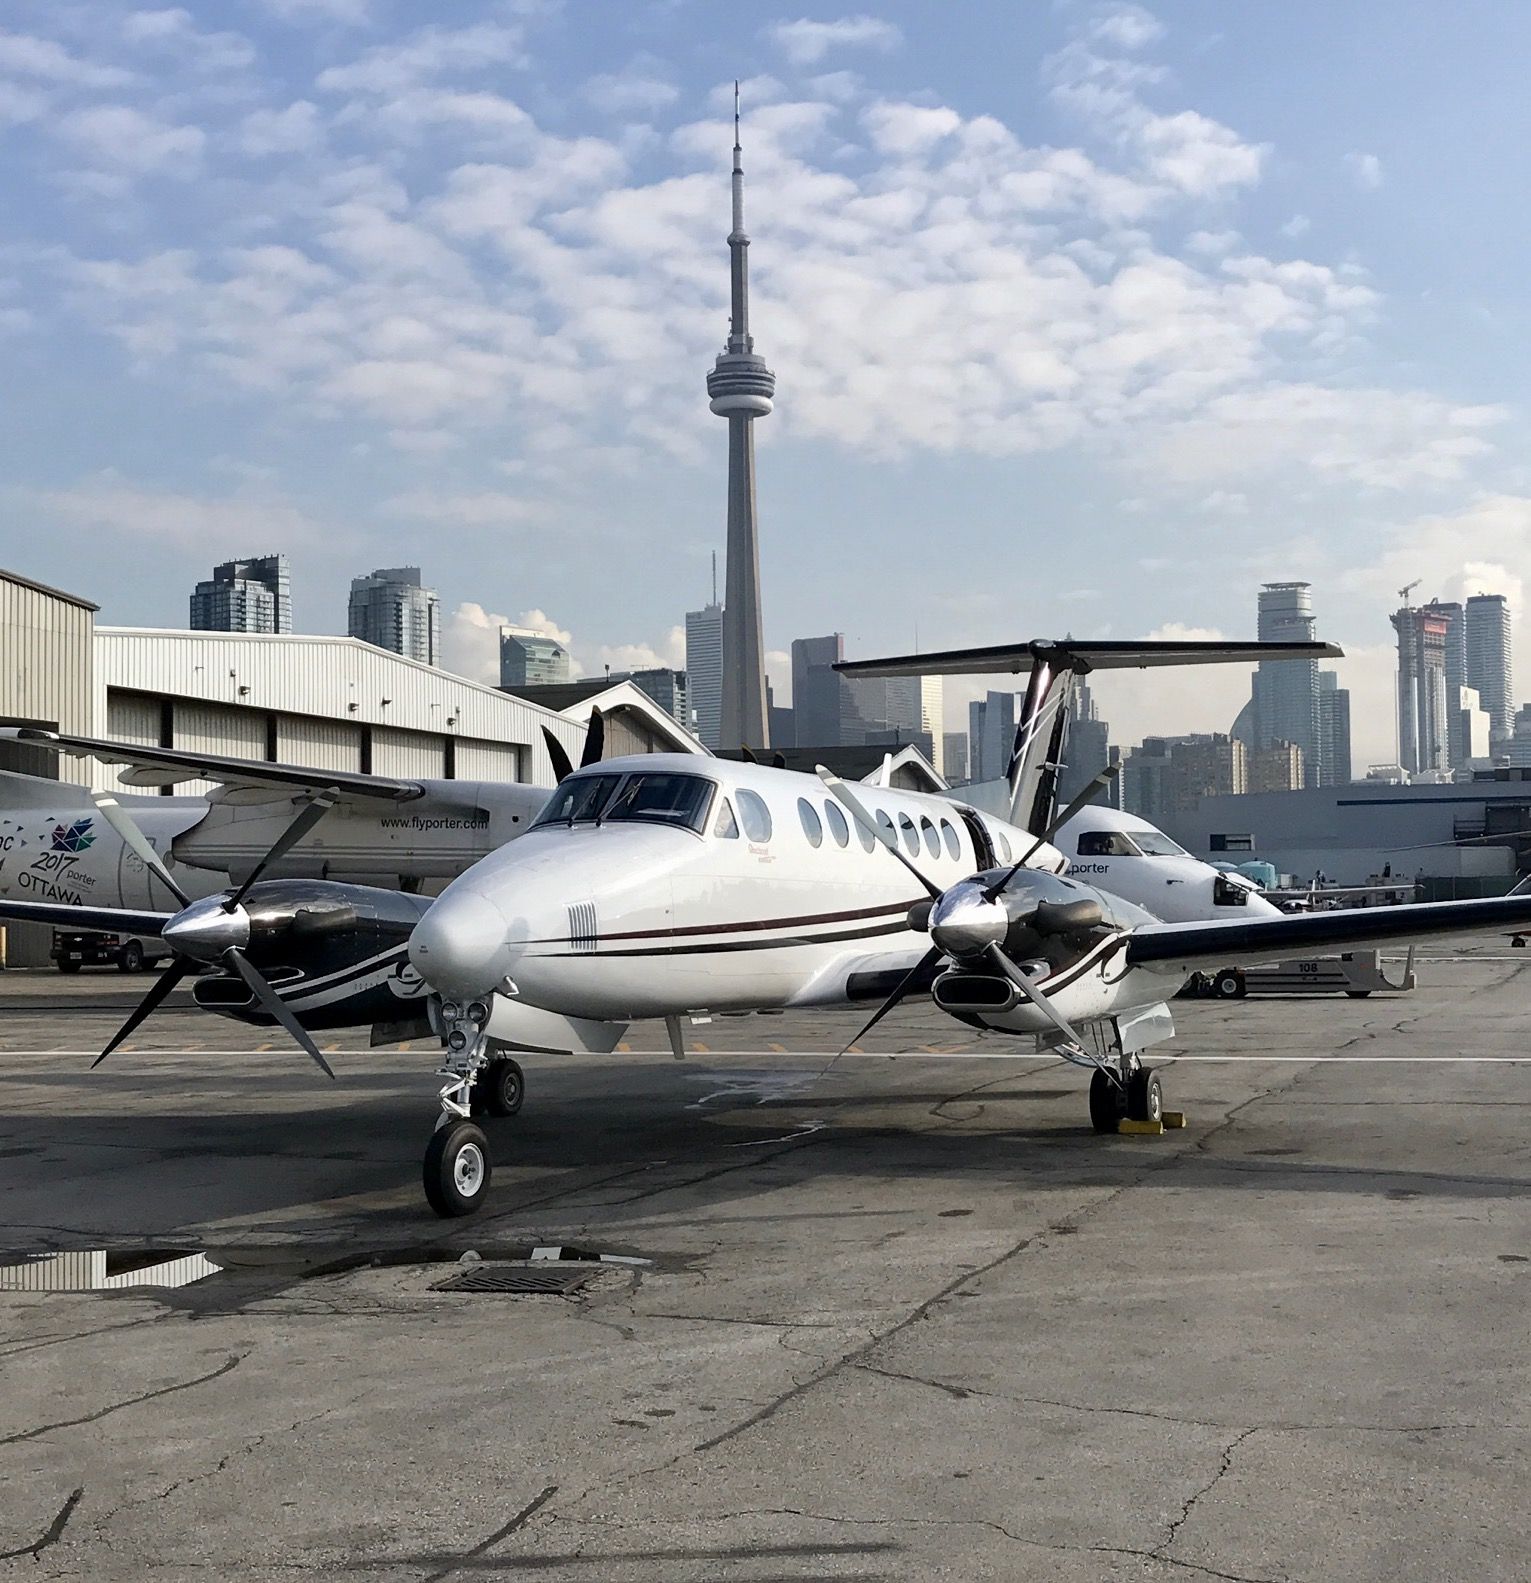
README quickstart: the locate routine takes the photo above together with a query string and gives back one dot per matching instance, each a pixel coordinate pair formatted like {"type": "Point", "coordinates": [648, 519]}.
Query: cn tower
{"type": "Point", "coordinates": [741, 387]}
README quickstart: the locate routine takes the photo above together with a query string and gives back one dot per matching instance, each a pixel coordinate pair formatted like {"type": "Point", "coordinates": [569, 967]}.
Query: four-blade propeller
{"type": "Point", "coordinates": [968, 923]}
{"type": "Point", "coordinates": [214, 931]}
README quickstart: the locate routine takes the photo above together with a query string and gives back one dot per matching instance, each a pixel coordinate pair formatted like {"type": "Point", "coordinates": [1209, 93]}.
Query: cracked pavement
{"type": "Point", "coordinates": [906, 1319]}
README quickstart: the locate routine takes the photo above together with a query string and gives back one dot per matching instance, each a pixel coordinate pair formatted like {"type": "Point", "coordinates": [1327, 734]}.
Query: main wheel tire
{"type": "Point", "coordinates": [1228, 985]}
{"type": "Point", "coordinates": [500, 1089]}
{"type": "Point", "coordinates": [1145, 1096]}
{"type": "Point", "coordinates": [69, 967]}
{"type": "Point", "coordinates": [457, 1169]}
{"type": "Point", "coordinates": [1106, 1104]}
{"type": "Point", "coordinates": [1358, 994]}
{"type": "Point", "coordinates": [131, 957]}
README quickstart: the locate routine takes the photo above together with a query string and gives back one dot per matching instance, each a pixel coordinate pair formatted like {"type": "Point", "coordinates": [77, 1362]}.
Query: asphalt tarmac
{"type": "Point", "coordinates": [902, 1318]}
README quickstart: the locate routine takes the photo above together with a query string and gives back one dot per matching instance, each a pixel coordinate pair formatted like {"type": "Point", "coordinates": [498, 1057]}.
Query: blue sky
{"type": "Point", "coordinates": [1084, 317]}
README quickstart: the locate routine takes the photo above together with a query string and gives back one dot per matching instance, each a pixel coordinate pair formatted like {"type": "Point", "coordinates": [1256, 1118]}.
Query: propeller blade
{"type": "Point", "coordinates": [747, 756]}
{"type": "Point", "coordinates": [1091, 791]}
{"type": "Point", "coordinates": [900, 990]}
{"type": "Point", "coordinates": [595, 740]}
{"type": "Point", "coordinates": [1029, 989]}
{"type": "Point", "coordinates": [136, 842]}
{"type": "Point", "coordinates": [865, 820]}
{"type": "Point", "coordinates": [778, 761]}
{"type": "Point", "coordinates": [562, 768]}
{"type": "Point", "coordinates": [284, 843]}
{"type": "Point", "coordinates": [273, 1003]}
{"type": "Point", "coordinates": [158, 990]}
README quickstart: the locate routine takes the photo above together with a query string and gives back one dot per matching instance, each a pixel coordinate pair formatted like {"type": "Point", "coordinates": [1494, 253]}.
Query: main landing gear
{"type": "Point", "coordinates": [480, 1082]}
{"type": "Point", "coordinates": [1133, 1094]}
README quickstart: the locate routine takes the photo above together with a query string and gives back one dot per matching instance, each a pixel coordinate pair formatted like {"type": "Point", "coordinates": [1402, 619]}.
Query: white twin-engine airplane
{"type": "Point", "coordinates": [667, 886]}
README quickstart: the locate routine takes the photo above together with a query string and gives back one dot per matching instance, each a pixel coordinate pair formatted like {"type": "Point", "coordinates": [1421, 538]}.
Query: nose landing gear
{"type": "Point", "coordinates": [457, 1165]}
{"type": "Point", "coordinates": [457, 1169]}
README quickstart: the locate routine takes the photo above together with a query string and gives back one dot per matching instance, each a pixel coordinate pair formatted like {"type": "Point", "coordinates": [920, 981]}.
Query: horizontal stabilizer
{"type": "Point", "coordinates": [1082, 656]}
{"type": "Point", "coordinates": [70, 915]}
{"type": "Point", "coordinates": [151, 766]}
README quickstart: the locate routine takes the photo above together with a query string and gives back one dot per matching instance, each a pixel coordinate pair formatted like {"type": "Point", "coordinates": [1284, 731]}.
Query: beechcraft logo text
{"type": "Point", "coordinates": [73, 837]}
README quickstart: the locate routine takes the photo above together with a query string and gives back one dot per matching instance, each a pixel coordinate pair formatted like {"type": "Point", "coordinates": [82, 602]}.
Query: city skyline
{"type": "Point", "coordinates": [393, 196]}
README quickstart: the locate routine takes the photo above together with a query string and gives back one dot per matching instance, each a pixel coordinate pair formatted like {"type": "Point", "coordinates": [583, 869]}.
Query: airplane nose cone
{"type": "Point", "coordinates": [204, 931]}
{"type": "Point", "coordinates": [963, 922]}
{"type": "Point", "coordinates": [459, 946]}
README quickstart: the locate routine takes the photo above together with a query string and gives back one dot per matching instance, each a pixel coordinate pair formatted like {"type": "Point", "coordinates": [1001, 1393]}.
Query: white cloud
{"type": "Point", "coordinates": [488, 509]}
{"type": "Point", "coordinates": [1125, 27]}
{"type": "Point", "coordinates": [471, 645]}
{"type": "Point", "coordinates": [212, 526]}
{"type": "Point", "coordinates": [640, 89]}
{"type": "Point", "coordinates": [806, 43]}
{"type": "Point", "coordinates": [1298, 225]}
{"type": "Point", "coordinates": [1097, 77]}
{"type": "Point", "coordinates": [119, 137]}
{"type": "Point", "coordinates": [294, 129]}
{"type": "Point", "coordinates": [350, 13]}
{"type": "Point", "coordinates": [44, 60]}
{"type": "Point", "coordinates": [1384, 439]}
{"type": "Point", "coordinates": [389, 69]}
{"type": "Point", "coordinates": [173, 32]}
{"type": "Point", "coordinates": [1365, 171]}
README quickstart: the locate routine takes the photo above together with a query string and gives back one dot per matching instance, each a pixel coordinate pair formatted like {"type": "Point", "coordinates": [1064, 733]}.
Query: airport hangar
{"type": "Point", "coordinates": [324, 702]}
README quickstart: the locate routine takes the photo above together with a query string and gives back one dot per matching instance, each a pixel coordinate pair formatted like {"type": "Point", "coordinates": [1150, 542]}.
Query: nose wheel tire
{"type": "Point", "coordinates": [1145, 1096]}
{"type": "Point", "coordinates": [499, 1089]}
{"type": "Point", "coordinates": [457, 1169]}
{"type": "Point", "coordinates": [1107, 1104]}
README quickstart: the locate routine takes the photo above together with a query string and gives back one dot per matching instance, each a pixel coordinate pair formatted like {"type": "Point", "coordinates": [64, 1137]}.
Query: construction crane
{"type": "Point", "coordinates": [1403, 593]}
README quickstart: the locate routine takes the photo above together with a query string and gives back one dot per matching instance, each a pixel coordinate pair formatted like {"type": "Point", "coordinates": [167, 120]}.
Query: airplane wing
{"type": "Point", "coordinates": [68, 915]}
{"type": "Point", "coordinates": [1233, 942]}
{"type": "Point", "coordinates": [151, 766]}
{"type": "Point", "coordinates": [1082, 656]}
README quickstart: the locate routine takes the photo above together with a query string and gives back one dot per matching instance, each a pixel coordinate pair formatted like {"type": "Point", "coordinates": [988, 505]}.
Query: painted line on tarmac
{"type": "Point", "coordinates": [951, 1055]}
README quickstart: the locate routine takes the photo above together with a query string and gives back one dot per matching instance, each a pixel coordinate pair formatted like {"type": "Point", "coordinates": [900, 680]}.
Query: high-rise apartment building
{"type": "Point", "coordinates": [1285, 699]}
{"type": "Point", "coordinates": [1334, 767]}
{"type": "Point", "coordinates": [1487, 622]}
{"type": "Point", "coordinates": [1278, 767]}
{"type": "Point", "coordinates": [531, 659]}
{"type": "Point", "coordinates": [393, 609]}
{"type": "Point", "coordinates": [1458, 747]}
{"type": "Point", "coordinates": [244, 596]}
{"type": "Point", "coordinates": [1167, 775]}
{"type": "Point", "coordinates": [1422, 738]}
{"type": "Point", "coordinates": [704, 670]}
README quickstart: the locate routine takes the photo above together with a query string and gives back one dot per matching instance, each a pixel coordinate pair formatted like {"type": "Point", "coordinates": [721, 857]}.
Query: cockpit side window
{"type": "Point", "coordinates": [755, 816]}
{"type": "Point", "coordinates": [725, 827]}
{"type": "Point", "coordinates": [1105, 843]}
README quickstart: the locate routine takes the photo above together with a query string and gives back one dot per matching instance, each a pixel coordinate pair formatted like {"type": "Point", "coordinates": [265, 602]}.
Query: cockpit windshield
{"type": "Point", "coordinates": [660, 797]}
{"type": "Point", "coordinates": [1154, 843]}
{"type": "Point", "coordinates": [579, 800]}
{"type": "Point", "coordinates": [664, 798]}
